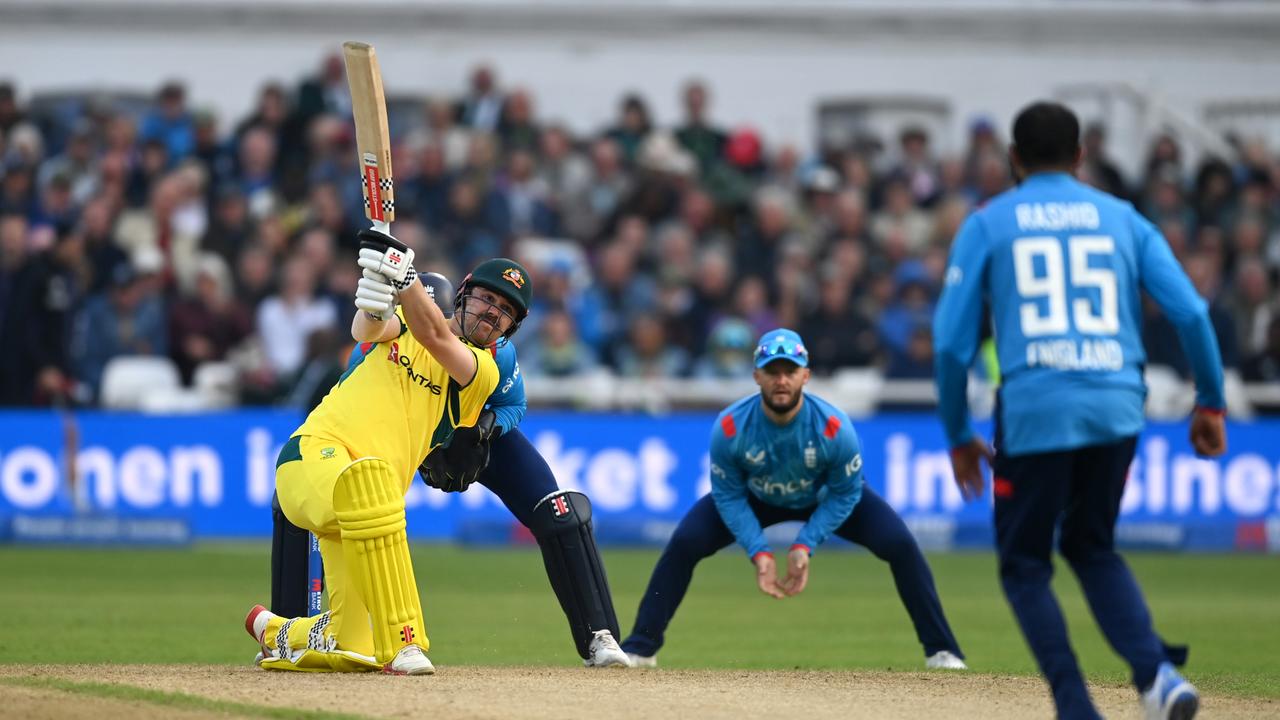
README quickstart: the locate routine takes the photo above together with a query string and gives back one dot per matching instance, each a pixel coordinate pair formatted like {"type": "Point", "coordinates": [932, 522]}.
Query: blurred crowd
{"type": "Point", "coordinates": [656, 249]}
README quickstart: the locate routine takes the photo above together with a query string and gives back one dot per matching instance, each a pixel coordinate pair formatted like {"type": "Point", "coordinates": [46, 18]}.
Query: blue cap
{"type": "Point", "coordinates": [781, 344]}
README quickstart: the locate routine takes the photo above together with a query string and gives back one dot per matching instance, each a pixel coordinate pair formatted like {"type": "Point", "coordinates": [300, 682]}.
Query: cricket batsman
{"type": "Point", "coordinates": [487, 309]}
{"type": "Point", "coordinates": [344, 473]}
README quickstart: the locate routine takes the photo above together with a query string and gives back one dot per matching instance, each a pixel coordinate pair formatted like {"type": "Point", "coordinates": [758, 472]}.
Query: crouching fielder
{"type": "Point", "coordinates": [787, 455]}
{"type": "Point", "coordinates": [344, 473]}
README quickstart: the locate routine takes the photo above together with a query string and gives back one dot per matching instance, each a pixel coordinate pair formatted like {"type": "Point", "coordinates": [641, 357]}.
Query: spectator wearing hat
{"type": "Point", "coordinates": [665, 171]}
{"type": "Point", "coordinates": [129, 319]}
{"type": "Point", "coordinates": [819, 187]}
{"type": "Point", "coordinates": [910, 309]}
{"type": "Point", "coordinates": [729, 351]}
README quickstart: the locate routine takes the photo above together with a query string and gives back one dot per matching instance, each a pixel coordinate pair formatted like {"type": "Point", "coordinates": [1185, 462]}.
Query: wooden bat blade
{"type": "Point", "coordinates": [373, 139]}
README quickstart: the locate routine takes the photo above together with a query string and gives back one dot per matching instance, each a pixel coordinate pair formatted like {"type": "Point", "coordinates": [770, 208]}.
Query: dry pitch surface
{"type": "Point", "coordinates": [170, 691]}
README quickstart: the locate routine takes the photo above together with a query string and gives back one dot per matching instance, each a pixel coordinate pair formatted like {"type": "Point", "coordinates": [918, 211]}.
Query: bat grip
{"type": "Point", "coordinates": [382, 227]}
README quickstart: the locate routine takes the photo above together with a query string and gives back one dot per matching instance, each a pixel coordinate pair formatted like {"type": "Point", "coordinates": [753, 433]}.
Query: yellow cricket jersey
{"type": "Point", "coordinates": [397, 402]}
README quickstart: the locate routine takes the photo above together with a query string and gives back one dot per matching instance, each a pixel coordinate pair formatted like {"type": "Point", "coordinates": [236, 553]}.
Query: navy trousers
{"type": "Point", "coordinates": [517, 474]}
{"type": "Point", "coordinates": [872, 524]}
{"type": "Point", "coordinates": [1079, 492]}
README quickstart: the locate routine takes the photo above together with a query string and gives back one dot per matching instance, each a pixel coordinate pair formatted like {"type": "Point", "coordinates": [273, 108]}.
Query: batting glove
{"type": "Point", "coordinates": [375, 295]}
{"type": "Point", "coordinates": [393, 264]}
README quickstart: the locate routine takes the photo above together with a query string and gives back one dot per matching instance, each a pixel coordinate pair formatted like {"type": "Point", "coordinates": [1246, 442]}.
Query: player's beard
{"type": "Point", "coordinates": [473, 326]}
{"type": "Point", "coordinates": [788, 403]}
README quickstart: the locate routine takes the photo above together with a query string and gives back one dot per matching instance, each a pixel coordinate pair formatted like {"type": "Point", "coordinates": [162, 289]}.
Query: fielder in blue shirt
{"type": "Point", "coordinates": [1059, 267]}
{"type": "Point", "coordinates": [787, 455]}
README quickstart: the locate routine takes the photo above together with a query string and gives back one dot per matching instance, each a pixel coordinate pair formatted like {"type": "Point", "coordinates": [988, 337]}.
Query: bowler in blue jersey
{"type": "Point", "coordinates": [1059, 267]}
{"type": "Point", "coordinates": [787, 455]}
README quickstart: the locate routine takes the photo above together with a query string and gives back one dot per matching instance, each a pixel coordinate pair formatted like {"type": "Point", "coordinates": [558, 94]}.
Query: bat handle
{"type": "Point", "coordinates": [382, 227]}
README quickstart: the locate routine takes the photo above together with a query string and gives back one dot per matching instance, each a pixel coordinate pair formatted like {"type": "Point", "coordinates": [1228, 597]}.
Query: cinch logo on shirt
{"type": "Point", "coordinates": [395, 357]}
{"type": "Point", "coordinates": [768, 486]}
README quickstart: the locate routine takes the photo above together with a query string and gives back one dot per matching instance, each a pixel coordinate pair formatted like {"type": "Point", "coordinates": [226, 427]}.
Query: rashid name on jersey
{"type": "Point", "coordinates": [396, 402]}
{"type": "Point", "coordinates": [1060, 266]}
{"type": "Point", "coordinates": [813, 460]}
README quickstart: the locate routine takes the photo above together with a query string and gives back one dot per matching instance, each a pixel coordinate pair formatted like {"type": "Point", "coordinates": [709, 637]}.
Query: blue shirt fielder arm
{"type": "Point", "coordinates": [844, 490]}
{"type": "Point", "coordinates": [508, 401]}
{"type": "Point", "coordinates": [957, 325]}
{"type": "Point", "coordinates": [729, 491]}
{"type": "Point", "coordinates": [1169, 286]}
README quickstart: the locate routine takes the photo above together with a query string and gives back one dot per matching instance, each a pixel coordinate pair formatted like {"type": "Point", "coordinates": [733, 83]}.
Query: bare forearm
{"type": "Point", "coordinates": [428, 325]}
{"type": "Point", "coordinates": [367, 328]}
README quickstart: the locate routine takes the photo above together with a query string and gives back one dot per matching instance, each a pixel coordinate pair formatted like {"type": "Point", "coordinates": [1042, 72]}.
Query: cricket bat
{"type": "Point", "coordinates": [373, 139]}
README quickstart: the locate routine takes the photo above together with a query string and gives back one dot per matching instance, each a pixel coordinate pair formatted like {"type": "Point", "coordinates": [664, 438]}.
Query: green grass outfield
{"type": "Point", "coordinates": [494, 607]}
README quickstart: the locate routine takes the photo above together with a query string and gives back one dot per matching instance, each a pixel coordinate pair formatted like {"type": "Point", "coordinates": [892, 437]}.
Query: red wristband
{"type": "Point", "coordinates": [762, 552]}
{"type": "Point", "coordinates": [799, 546]}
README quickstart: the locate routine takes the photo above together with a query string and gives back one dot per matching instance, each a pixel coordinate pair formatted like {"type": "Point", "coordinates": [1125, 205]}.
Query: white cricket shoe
{"type": "Point", "coordinates": [255, 623]}
{"type": "Point", "coordinates": [604, 652]}
{"type": "Point", "coordinates": [944, 660]}
{"type": "Point", "coordinates": [411, 660]}
{"type": "Point", "coordinates": [1170, 697]}
{"type": "Point", "coordinates": [643, 661]}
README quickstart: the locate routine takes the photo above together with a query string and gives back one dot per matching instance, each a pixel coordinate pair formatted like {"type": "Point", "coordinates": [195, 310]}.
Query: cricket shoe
{"type": "Point", "coordinates": [643, 661]}
{"type": "Point", "coordinates": [604, 652]}
{"type": "Point", "coordinates": [1170, 697]}
{"type": "Point", "coordinates": [411, 660]}
{"type": "Point", "coordinates": [255, 623]}
{"type": "Point", "coordinates": [944, 660]}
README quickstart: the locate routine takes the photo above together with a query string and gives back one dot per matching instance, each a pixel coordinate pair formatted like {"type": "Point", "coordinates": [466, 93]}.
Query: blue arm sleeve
{"type": "Point", "coordinates": [729, 491]}
{"type": "Point", "coordinates": [956, 327]}
{"type": "Point", "coordinates": [1163, 278]}
{"type": "Point", "coordinates": [844, 490]}
{"type": "Point", "coordinates": [508, 401]}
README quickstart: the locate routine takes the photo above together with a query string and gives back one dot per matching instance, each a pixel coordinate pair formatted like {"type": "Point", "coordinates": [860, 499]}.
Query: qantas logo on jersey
{"type": "Point", "coordinates": [403, 361]}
